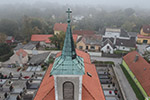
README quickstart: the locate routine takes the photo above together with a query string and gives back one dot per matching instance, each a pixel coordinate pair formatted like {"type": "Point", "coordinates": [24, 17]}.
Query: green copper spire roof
{"type": "Point", "coordinates": [69, 49]}
{"type": "Point", "coordinates": [68, 63]}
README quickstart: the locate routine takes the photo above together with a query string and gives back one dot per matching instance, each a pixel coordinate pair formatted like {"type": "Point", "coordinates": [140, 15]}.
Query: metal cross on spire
{"type": "Point", "coordinates": [69, 12]}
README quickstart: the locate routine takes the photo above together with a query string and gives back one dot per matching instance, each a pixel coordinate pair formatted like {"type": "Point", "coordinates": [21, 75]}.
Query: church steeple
{"type": "Point", "coordinates": [69, 48]}
{"type": "Point", "coordinates": [68, 63]}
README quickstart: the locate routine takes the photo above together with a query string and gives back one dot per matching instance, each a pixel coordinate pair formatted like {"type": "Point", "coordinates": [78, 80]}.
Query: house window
{"type": "Point", "coordinates": [92, 47]}
{"type": "Point", "coordinates": [144, 41]}
{"type": "Point", "coordinates": [108, 47]}
{"type": "Point", "coordinates": [80, 47]}
{"type": "Point", "coordinates": [68, 91]}
{"type": "Point", "coordinates": [139, 41]}
{"type": "Point", "coordinates": [86, 47]}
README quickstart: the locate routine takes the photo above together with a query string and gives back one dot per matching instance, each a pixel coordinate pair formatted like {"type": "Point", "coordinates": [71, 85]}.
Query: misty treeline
{"type": "Point", "coordinates": [23, 20]}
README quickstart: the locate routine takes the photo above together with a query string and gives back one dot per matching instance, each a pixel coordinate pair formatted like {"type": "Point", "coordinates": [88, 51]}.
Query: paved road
{"type": "Point", "coordinates": [141, 48]}
{"type": "Point", "coordinates": [115, 60]}
{"type": "Point", "coordinates": [124, 84]}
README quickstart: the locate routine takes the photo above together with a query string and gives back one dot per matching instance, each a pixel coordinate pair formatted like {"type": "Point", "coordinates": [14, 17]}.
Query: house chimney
{"type": "Point", "coordinates": [115, 40]}
{"type": "Point", "coordinates": [136, 58]}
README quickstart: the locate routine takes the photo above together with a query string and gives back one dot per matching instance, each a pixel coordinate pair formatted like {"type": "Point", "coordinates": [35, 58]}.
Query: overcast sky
{"type": "Point", "coordinates": [120, 3]}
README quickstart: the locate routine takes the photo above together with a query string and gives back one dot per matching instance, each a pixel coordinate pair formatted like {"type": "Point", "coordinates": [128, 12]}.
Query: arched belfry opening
{"type": "Point", "coordinates": [68, 91]}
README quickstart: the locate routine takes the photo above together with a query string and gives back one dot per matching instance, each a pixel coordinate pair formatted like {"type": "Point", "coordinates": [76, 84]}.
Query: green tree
{"type": "Point", "coordinates": [27, 29]}
{"type": "Point", "coordinates": [4, 49]}
{"type": "Point", "coordinates": [58, 40]}
{"type": "Point", "coordinates": [2, 38]}
{"type": "Point", "coordinates": [36, 23]}
{"type": "Point", "coordinates": [5, 52]}
{"type": "Point", "coordinates": [8, 27]}
{"type": "Point", "coordinates": [129, 11]}
{"type": "Point", "coordinates": [36, 30]}
{"type": "Point", "coordinates": [128, 26]}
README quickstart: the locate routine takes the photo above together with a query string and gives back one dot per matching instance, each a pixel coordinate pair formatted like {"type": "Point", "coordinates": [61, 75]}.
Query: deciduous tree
{"type": "Point", "coordinates": [58, 40]}
{"type": "Point", "coordinates": [2, 38]}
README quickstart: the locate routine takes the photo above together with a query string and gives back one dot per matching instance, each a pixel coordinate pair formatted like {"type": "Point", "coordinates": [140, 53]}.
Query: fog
{"type": "Point", "coordinates": [22, 18]}
{"type": "Point", "coordinates": [107, 3]}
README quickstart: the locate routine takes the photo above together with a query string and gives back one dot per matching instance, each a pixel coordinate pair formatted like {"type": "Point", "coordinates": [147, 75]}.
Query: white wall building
{"type": "Point", "coordinates": [107, 47]}
{"type": "Point", "coordinates": [116, 33]}
{"type": "Point", "coordinates": [110, 32]}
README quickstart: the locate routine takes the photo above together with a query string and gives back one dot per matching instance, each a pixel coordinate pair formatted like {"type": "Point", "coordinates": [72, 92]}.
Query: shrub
{"type": "Point", "coordinates": [44, 68]}
{"type": "Point", "coordinates": [6, 56]}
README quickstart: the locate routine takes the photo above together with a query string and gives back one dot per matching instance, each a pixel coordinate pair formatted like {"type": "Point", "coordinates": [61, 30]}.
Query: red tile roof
{"type": "Point", "coordinates": [60, 27]}
{"type": "Point", "coordinates": [38, 37]}
{"type": "Point", "coordinates": [142, 36]}
{"type": "Point", "coordinates": [45, 38]}
{"type": "Point", "coordinates": [91, 87]}
{"type": "Point", "coordinates": [83, 32]}
{"type": "Point", "coordinates": [143, 76]}
{"type": "Point", "coordinates": [21, 51]}
{"type": "Point", "coordinates": [146, 28]}
{"type": "Point", "coordinates": [75, 37]}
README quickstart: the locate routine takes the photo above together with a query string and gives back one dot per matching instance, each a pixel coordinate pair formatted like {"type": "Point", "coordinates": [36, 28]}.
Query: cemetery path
{"type": "Point", "coordinates": [124, 84]}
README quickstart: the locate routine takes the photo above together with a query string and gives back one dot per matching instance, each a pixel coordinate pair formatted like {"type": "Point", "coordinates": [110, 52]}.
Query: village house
{"type": "Point", "coordinates": [117, 39]}
{"type": "Point", "coordinates": [138, 69]}
{"type": "Point", "coordinates": [43, 39]}
{"type": "Point", "coordinates": [113, 44]}
{"type": "Point", "coordinates": [10, 39]}
{"type": "Point", "coordinates": [107, 45]}
{"type": "Point", "coordinates": [144, 36]}
{"type": "Point", "coordinates": [23, 57]}
{"type": "Point", "coordinates": [115, 33]}
{"type": "Point", "coordinates": [83, 32]}
{"type": "Point", "coordinates": [125, 44]}
{"type": "Point", "coordinates": [32, 45]}
{"type": "Point", "coordinates": [87, 40]}
{"type": "Point", "coordinates": [60, 27]}
{"type": "Point", "coordinates": [89, 43]}
{"type": "Point", "coordinates": [19, 58]}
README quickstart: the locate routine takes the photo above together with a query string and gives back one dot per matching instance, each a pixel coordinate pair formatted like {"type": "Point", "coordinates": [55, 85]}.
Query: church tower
{"type": "Point", "coordinates": [68, 69]}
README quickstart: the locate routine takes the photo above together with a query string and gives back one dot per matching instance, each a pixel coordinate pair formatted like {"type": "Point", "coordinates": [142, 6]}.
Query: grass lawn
{"type": "Point", "coordinates": [120, 52]}
{"type": "Point", "coordinates": [133, 85]}
{"type": "Point", "coordinates": [104, 62]}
